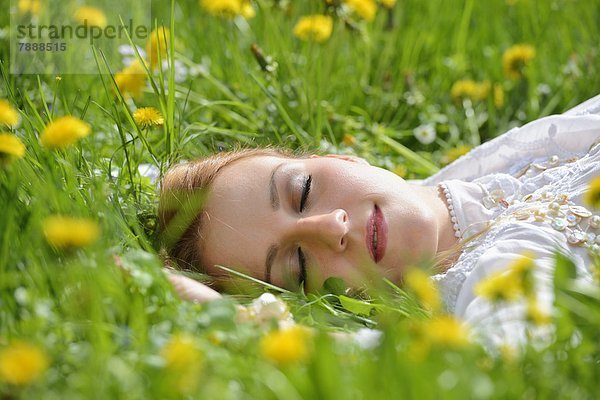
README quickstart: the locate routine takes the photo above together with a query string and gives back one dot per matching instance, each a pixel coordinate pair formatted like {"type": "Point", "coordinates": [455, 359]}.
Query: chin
{"type": "Point", "coordinates": [388, 268]}
{"type": "Point", "coordinates": [395, 273]}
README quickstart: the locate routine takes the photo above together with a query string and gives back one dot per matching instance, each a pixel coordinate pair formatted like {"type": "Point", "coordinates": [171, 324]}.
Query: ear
{"type": "Point", "coordinates": [343, 157]}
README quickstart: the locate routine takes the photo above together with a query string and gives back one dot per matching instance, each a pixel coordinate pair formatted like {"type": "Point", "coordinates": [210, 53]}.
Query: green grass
{"type": "Point", "coordinates": [103, 326]}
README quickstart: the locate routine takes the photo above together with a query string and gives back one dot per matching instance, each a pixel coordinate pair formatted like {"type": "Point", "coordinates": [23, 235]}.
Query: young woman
{"type": "Point", "coordinates": [296, 221]}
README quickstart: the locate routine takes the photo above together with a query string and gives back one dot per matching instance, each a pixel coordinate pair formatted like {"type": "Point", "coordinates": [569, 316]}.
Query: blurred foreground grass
{"type": "Point", "coordinates": [410, 90]}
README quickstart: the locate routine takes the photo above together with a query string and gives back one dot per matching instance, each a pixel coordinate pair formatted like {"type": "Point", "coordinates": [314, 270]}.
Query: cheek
{"type": "Point", "coordinates": [347, 267]}
{"type": "Point", "coordinates": [352, 184]}
{"type": "Point", "coordinates": [239, 248]}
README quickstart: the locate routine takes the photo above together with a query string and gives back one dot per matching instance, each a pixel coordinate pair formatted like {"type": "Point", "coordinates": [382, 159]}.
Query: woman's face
{"type": "Point", "coordinates": [291, 220]}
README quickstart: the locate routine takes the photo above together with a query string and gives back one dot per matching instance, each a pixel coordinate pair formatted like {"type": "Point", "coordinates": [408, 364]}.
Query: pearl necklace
{"type": "Point", "coordinates": [450, 205]}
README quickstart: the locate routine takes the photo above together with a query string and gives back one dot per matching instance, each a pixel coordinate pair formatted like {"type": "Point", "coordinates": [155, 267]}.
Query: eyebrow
{"type": "Point", "coordinates": [273, 249]}
{"type": "Point", "coordinates": [273, 188]}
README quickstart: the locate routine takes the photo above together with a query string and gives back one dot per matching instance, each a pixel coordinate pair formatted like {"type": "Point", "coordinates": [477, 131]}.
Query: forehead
{"type": "Point", "coordinates": [236, 219]}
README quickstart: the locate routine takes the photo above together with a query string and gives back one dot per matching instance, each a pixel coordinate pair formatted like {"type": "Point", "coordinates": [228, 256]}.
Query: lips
{"type": "Point", "coordinates": [376, 236]}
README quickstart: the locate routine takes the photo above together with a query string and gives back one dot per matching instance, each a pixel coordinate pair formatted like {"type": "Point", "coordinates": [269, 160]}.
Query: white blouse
{"type": "Point", "coordinates": [523, 192]}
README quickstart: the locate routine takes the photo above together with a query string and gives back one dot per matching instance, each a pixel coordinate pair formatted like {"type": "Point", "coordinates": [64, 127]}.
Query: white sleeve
{"type": "Point", "coordinates": [505, 323]}
{"type": "Point", "coordinates": [567, 135]}
{"type": "Point", "coordinates": [590, 106]}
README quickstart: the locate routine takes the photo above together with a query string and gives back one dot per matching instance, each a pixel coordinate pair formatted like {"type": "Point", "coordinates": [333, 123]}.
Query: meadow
{"type": "Point", "coordinates": [85, 309]}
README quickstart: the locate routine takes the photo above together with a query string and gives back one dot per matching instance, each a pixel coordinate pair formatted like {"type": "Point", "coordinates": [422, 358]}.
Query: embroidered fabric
{"type": "Point", "coordinates": [508, 163]}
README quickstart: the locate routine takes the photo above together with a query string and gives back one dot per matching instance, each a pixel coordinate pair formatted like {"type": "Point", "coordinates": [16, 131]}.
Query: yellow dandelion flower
{"type": "Point", "coordinates": [462, 88]}
{"type": "Point", "coordinates": [349, 140]}
{"type": "Point", "coordinates": [509, 284]}
{"type": "Point", "coordinates": [515, 59]}
{"type": "Point", "coordinates": [131, 80]}
{"type": "Point", "coordinates": [419, 283]}
{"type": "Point", "coordinates": [455, 153]}
{"type": "Point", "coordinates": [523, 264]}
{"type": "Point", "coordinates": [592, 194]}
{"type": "Point", "coordinates": [21, 363]}
{"type": "Point", "coordinates": [8, 115]}
{"type": "Point", "coordinates": [65, 232]}
{"type": "Point", "coordinates": [467, 88]}
{"type": "Point", "coordinates": [10, 147]}
{"type": "Point", "coordinates": [443, 331]}
{"type": "Point", "coordinates": [183, 362]}
{"type": "Point", "coordinates": [317, 28]}
{"type": "Point", "coordinates": [500, 286]}
{"type": "Point", "coordinates": [446, 331]}
{"type": "Point", "coordinates": [147, 117]}
{"type": "Point", "coordinates": [90, 16]}
{"type": "Point", "coordinates": [230, 8]}
{"type": "Point", "coordinates": [181, 352]}
{"type": "Point", "coordinates": [63, 132]}
{"type": "Point", "coordinates": [535, 314]}
{"type": "Point", "coordinates": [366, 9]}
{"type": "Point", "coordinates": [388, 3]}
{"type": "Point", "coordinates": [498, 95]}
{"type": "Point", "coordinates": [523, 268]}
{"type": "Point", "coordinates": [247, 11]}
{"type": "Point", "coordinates": [221, 7]}
{"type": "Point", "coordinates": [29, 7]}
{"type": "Point", "coordinates": [287, 346]}
{"type": "Point", "coordinates": [157, 45]}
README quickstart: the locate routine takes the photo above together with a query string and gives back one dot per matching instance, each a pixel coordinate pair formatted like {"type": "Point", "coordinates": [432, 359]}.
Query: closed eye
{"type": "Point", "coordinates": [305, 192]}
{"type": "Point", "coordinates": [301, 269]}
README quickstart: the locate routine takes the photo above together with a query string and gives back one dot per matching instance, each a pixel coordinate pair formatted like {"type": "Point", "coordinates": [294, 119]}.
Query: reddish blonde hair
{"type": "Point", "coordinates": [183, 191]}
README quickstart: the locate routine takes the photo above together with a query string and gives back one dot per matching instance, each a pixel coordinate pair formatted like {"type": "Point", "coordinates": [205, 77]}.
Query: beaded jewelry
{"type": "Point", "coordinates": [449, 203]}
{"type": "Point", "coordinates": [580, 226]}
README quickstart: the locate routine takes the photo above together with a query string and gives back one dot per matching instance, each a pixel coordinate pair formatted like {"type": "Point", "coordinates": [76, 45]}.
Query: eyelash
{"type": "Point", "coordinates": [302, 264]}
{"type": "Point", "coordinates": [301, 257]}
{"type": "Point", "coordinates": [305, 192]}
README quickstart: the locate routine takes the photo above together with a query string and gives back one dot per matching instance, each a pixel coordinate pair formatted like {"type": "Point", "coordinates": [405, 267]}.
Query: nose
{"type": "Point", "coordinates": [329, 228]}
